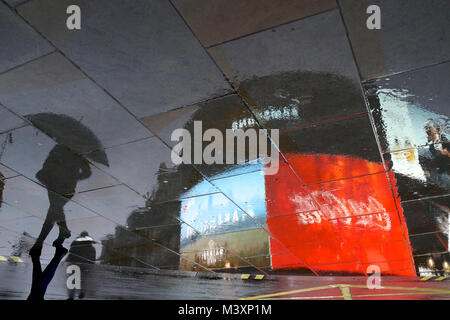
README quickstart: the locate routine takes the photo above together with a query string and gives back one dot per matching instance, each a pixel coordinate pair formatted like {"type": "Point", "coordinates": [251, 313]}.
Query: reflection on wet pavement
{"type": "Point", "coordinates": [412, 35]}
{"type": "Point", "coordinates": [86, 149]}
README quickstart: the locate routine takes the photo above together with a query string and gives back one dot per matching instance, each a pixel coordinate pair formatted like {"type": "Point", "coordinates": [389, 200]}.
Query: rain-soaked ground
{"type": "Point", "coordinates": [357, 121]}
{"type": "Point", "coordinates": [111, 283]}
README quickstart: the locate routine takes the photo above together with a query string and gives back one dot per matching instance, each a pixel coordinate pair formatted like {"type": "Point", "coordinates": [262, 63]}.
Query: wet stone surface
{"type": "Point", "coordinates": [87, 159]}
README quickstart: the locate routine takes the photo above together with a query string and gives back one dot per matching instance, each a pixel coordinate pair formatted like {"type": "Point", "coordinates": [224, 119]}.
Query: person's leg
{"type": "Point", "coordinates": [64, 233]}
{"type": "Point", "coordinates": [86, 278]}
{"type": "Point", "coordinates": [60, 218]}
{"type": "Point", "coordinates": [53, 215]}
{"type": "Point", "coordinates": [49, 271]}
{"type": "Point", "coordinates": [37, 269]}
{"type": "Point", "coordinates": [46, 228]}
{"type": "Point", "coordinates": [70, 294]}
{"type": "Point", "coordinates": [36, 275]}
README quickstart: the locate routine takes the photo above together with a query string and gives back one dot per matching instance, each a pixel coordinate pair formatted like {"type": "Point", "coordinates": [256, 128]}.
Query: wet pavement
{"type": "Point", "coordinates": [361, 155]}
{"type": "Point", "coordinates": [108, 283]}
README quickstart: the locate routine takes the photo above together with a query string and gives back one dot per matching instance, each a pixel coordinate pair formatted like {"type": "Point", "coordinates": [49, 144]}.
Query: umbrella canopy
{"type": "Point", "coordinates": [72, 133]}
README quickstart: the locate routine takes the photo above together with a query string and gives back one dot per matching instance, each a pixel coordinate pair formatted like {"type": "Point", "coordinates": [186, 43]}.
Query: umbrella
{"type": "Point", "coordinates": [72, 133]}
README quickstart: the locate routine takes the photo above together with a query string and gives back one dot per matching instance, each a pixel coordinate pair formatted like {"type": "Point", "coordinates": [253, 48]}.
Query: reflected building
{"type": "Point", "coordinates": [412, 121]}
{"type": "Point", "coordinates": [332, 208]}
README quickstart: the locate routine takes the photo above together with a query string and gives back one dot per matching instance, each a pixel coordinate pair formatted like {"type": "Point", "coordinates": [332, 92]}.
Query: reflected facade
{"type": "Point", "coordinates": [86, 148]}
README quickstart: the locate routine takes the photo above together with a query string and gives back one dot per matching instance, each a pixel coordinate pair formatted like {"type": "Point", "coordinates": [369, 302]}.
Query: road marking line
{"type": "Point", "coordinates": [406, 288]}
{"type": "Point", "coordinates": [425, 278]}
{"type": "Point", "coordinates": [245, 276]}
{"type": "Point", "coordinates": [345, 291]}
{"type": "Point", "coordinates": [16, 259]}
{"type": "Point", "coordinates": [356, 296]}
{"type": "Point", "coordinates": [259, 277]}
{"type": "Point", "coordinates": [2, 258]}
{"type": "Point", "coordinates": [395, 294]}
{"type": "Point", "coordinates": [348, 286]}
{"type": "Point", "coordinates": [286, 293]}
{"type": "Point", "coordinates": [440, 278]}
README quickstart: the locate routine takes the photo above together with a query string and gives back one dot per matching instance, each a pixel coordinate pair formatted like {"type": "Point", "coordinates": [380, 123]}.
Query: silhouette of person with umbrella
{"type": "Point", "coordinates": [65, 165]}
{"type": "Point", "coordinates": [60, 174]}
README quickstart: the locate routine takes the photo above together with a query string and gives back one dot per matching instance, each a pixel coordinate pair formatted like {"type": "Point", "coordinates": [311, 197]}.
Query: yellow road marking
{"type": "Point", "coordinates": [426, 278]}
{"type": "Point", "coordinates": [406, 288]}
{"type": "Point", "coordinates": [395, 294]}
{"type": "Point", "coordinates": [259, 277]}
{"type": "Point", "coordinates": [356, 296]}
{"type": "Point", "coordinates": [286, 292]}
{"type": "Point", "coordinates": [440, 278]}
{"type": "Point", "coordinates": [2, 258]}
{"type": "Point", "coordinates": [347, 293]}
{"type": "Point", "coordinates": [245, 276]}
{"type": "Point", "coordinates": [16, 259]}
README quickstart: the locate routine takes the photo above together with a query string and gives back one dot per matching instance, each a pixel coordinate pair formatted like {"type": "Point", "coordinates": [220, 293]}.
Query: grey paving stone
{"type": "Point", "coordinates": [9, 121]}
{"type": "Point", "coordinates": [316, 43]}
{"type": "Point", "coordinates": [299, 73]}
{"type": "Point", "coordinates": [147, 168]}
{"type": "Point", "coordinates": [15, 3]}
{"type": "Point", "coordinates": [52, 84]}
{"type": "Point", "coordinates": [30, 225]}
{"type": "Point", "coordinates": [33, 199]}
{"type": "Point", "coordinates": [11, 213]}
{"type": "Point", "coordinates": [97, 180]}
{"type": "Point", "coordinates": [140, 51]}
{"type": "Point", "coordinates": [26, 151]}
{"type": "Point", "coordinates": [413, 34]}
{"type": "Point", "coordinates": [115, 203]}
{"type": "Point", "coordinates": [19, 42]}
{"type": "Point", "coordinates": [6, 172]}
{"type": "Point", "coordinates": [220, 20]}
